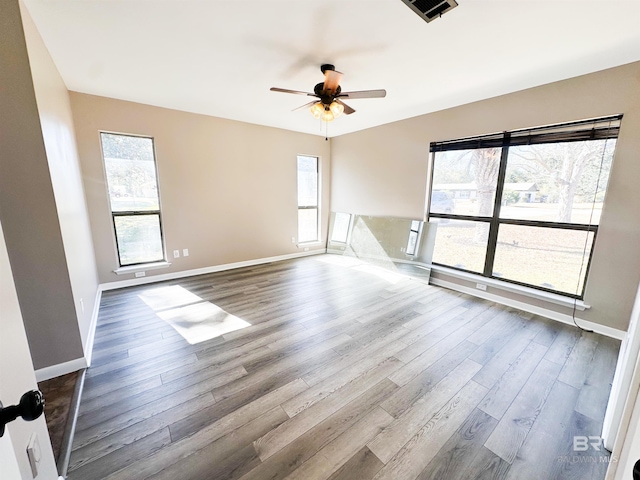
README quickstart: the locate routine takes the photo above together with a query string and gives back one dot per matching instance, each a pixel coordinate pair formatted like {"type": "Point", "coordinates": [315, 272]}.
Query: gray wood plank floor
{"type": "Point", "coordinates": [345, 372]}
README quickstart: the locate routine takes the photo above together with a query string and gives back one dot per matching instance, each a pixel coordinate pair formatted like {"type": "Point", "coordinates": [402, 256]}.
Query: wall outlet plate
{"type": "Point", "coordinates": [185, 252]}
{"type": "Point", "coordinates": [140, 274]}
{"type": "Point", "coordinates": [176, 254]}
{"type": "Point", "coordinates": [481, 286]}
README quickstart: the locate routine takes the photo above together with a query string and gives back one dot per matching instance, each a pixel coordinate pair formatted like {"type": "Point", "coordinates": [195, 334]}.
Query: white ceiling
{"type": "Point", "coordinates": [220, 57]}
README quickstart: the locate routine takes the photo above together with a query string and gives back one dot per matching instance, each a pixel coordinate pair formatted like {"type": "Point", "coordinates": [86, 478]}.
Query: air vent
{"type": "Point", "coordinates": [430, 9]}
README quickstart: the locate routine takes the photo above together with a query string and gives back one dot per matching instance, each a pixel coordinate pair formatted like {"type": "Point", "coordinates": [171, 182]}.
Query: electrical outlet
{"type": "Point", "coordinates": [140, 274]}
{"type": "Point", "coordinates": [481, 286]}
{"type": "Point", "coordinates": [306, 249]}
{"type": "Point", "coordinates": [176, 254]}
{"type": "Point", "coordinates": [185, 252]}
{"type": "Point", "coordinates": [293, 239]}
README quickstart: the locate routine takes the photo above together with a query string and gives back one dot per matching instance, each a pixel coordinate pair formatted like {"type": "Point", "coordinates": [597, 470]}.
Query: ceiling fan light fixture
{"type": "Point", "coordinates": [336, 108]}
{"type": "Point", "coordinates": [327, 116]}
{"type": "Point", "coordinates": [317, 110]}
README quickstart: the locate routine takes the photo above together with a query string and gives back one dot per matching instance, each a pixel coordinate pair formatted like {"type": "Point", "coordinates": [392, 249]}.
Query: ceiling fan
{"type": "Point", "coordinates": [329, 104]}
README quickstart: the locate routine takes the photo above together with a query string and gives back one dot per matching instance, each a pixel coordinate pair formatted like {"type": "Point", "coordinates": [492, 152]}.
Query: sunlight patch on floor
{"type": "Point", "coordinates": [195, 319]}
{"type": "Point", "coordinates": [343, 261]}
{"type": "Point", "coordinates": [363, 266]}
{"type": "Point", "coordinates": [162, 298]}
{"type": "Point", "coordinates": [382, 272]}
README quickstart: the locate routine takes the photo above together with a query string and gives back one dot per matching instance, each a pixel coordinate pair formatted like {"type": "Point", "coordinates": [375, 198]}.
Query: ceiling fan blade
{"type": "Point", "coordinates": [305, 105]}
{"type": "Point", "coordinates": [347, 109]}
{"type": "Point", "coordinates": [331, 81]}
{"type": "Point", "coordinates": [364, 94]}
{"type": "Point", "coordinates": [296, 92]}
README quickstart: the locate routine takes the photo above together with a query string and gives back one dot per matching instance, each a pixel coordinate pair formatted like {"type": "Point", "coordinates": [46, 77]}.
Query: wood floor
{"type": "Point", "coordinates": [346, 372]}
{"type": "Point", "coordinates": [58, 393]}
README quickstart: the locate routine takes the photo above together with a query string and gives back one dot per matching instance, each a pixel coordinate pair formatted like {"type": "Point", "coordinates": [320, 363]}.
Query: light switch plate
{"type": "Point", "coordinates": [185, 252]}
{"type": "Point", "coordinates": [34, 454]}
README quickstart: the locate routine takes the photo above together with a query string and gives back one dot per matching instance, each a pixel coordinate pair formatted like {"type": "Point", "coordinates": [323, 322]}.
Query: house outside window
{"type": "Point", "coordinates": [308, 199]}
{"type": "Point", "coordinates": [523, 206]}
{"type": "Point", "coordinates": [132, 183]}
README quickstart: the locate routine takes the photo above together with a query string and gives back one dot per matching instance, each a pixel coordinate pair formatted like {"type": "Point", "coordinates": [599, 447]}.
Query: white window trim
{"type": "Point", "coordinates": [318, 240]}
{"type": "Point", "coordinates": [310, 243]}
{"type": "Point", "coordinates": [141, 267]}
{"type": "Point", "coordinates": [514, 288]}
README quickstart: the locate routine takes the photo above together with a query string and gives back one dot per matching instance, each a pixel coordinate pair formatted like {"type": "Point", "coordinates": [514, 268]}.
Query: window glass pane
{"type": "Point", "coordinates": [464, 181]}
{"type": "Point", "coordinates": [307, 181]}
{"type": "Point", "coordinates": [307, 224]}
{"type": "Point", "coordinates": [544, 257]}
{"type": "Point", "coordinates": [340, 227]}
{"type": "Point", "coordinates": [557, 182]}
{"type": "Point", "coordinates": [461, 244]}
{"type": "Point", "coordinates": [139, 238]}
{"type": "Point", "coordinates": [131, 172]}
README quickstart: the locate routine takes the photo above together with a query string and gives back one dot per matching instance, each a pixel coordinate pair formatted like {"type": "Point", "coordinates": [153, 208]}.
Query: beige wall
{"type": "Point", "coordinates": [228, 189]}
{"type": "Point", "coordinates": [28, 208]}
{"type": "Point", "coordinates": [56, 121]}
{"type": "Point", "coordinates": [383, 170]}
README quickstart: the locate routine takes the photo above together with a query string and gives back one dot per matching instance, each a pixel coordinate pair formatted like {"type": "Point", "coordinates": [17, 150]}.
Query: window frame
{"type": "Point", "coordinates": [349, 229]}
{"type": "Point", "coordinates": [559, 133]}
{"type": "Point", "coordinates": [418, 235]}
{"type": "Point", "coordinates": [308, 207]}
{"type": "Point", "coordinates": [133, 213]}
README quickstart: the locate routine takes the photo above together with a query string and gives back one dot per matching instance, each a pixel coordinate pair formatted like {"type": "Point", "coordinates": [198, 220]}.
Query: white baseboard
{"type": "Point", "coordinates": [60, 369]}
{"type": "Point", "coordinates": [88, 346]}
{"type": "Point", "coordinates": [527, 307]}
{"type": "Point", "coordinates": [205, 270]}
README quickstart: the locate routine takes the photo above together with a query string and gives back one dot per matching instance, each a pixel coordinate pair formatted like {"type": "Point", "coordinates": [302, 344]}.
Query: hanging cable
{"type": "Point", "coordinates": [586, 239]}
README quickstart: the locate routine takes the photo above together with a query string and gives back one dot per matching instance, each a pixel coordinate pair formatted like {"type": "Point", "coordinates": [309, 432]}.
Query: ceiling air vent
{"type": "Point", "coordinates": [430, 9]}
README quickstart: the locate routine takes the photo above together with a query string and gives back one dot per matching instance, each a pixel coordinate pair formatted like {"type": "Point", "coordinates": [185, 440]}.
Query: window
{"type": "Point", "coordinates": [341, 224]}
{"type": "Point", "coordinates": [414, 234]}
{"type": "Point", "coordinates": [133, 194]}
{"type": "Point", "coordinates": [308, 201]}
{"type": "Point", "coordinates": [532, 205]}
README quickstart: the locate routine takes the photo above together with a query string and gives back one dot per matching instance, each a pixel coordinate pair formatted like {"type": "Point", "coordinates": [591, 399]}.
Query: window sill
{"type": "Point", "coordinates": [510, 287]}
{"type": "Point", "coordinates": [140, 268]}
{"type": "Point", "coordinates": [314, 243]}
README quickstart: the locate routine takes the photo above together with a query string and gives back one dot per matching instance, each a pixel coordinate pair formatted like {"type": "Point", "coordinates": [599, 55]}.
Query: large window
{"type": "Point", "coordinates": [133, 193]}
{"type": "Point", "coordinates": [523, 206]}
{"type": "Point", "coordinates": [308, 199]}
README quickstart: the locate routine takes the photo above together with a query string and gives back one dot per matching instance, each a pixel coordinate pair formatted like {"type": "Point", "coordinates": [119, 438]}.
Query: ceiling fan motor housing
{"type": "Point", "coordinates": [326, 66]}
{"type": "Point", "coordinates": [325, 98]}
